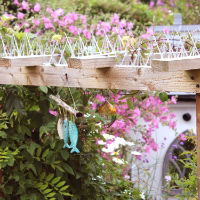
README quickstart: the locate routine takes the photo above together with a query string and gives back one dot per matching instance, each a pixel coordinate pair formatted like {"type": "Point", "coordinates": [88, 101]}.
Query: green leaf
{"type": "Point", "coordinates": [66, 194]}
{"type": "Point", "coordinates": [32, 147]}
{"type": "Point", "coordinates": [49, 177]}
{"type": "Point", "coordinates": [44, 155]}
{"type": "Point", "coordinates": [55, 180]}
{"type": "Point", "coordinates": [68, 169]}
{"type": "Point", "coordinates": [163, 96]}
{"type": "Point", "coordinates": [44, 89]}
{"type": "Point", "coordinates": [47, 191]}
{"type": "Point", "coordinates": [42, 176]}
{"type": "Point", "coordinates": [61, 184]}
{"type": "Point", "coordinates": [64, 154]}
{"type": "Point", "coordinates": [51, 194]}
{"type": "Point", "coordinates": [38, 152]}
{"type": "Point", "coordinates": [44, 186]}
{"type": "Point", "coordinates": [64, 188]}
{"type": "Point", "coordinates": [130, 104]}
{"type": "Point", "coordinates": [3, 134]}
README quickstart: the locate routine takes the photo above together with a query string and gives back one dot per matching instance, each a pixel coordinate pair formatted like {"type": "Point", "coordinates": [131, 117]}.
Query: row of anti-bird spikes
{"type": "Point", "coordinates": [128, 50]}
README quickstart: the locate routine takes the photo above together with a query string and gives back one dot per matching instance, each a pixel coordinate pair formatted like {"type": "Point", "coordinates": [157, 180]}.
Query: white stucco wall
{"type": "Point", "coordinates": [154, 167]}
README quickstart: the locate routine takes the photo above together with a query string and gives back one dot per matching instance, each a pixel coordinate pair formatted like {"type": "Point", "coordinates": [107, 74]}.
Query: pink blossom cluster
{"type": "Point", "coordinates": [48, 19]}
{"type": "Point", "coordinates": [161, 3]}
{"type": "Point", "coordinates": [142, 118]}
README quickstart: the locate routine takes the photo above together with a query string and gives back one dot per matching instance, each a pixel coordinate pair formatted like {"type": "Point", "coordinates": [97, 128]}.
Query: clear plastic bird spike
{"type": "Point", "coordinates": [130, 51]}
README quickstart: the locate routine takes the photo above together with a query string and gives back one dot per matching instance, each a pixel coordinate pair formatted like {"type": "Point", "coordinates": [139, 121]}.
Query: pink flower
{"type": "Point", "coordinates": [122, 31]}
{"type": "Point", "coordinates": [68, 20]}
{"type": "Point", "coordinates": [172, 124]}
{"type": "Point", "coordinates": [100, 98]}
{"type": "Point", "coordinates": [25, 5]}
{"type": "Point", "coordinates": [74, 30]}
{"type": "Point", "coordinates": [9, 16]}
{"type": "Point", "coordinates": [182, 137]}
{"type": "Point", "coordinates": [151, 4]}
{"type": "Point", "coordinates": [150, 31]}
{"type": "Point", "coordinates": [129, 25]}
{"type": "Point", "coordinates": [36, 22]}
{"type": "Point", "coordinates": [16, 2]}
{"type": "Point", "coordinates": [119, 124]}
{"type": "Point", "coordinates": [148, 34]}
{"type": "Point", "coordinates": [87, 34]}
{"type": "Point", "coordinates": [37, 7]}
{"type": "Point", "coordinates": [27, 30]}
{"type": "Point", "coordinates": [115, 19]}
{"type": "Point", "coordinates": [54, 113]}
{"type": "Point", "coordinates": [115, 30]}
{"type": "Point", "coordinates": [173, 100]}
{"type": "Point", "coordinates": [160, 3]}
{"type": "Point", "coordinates": [57, 13]}
{"type": "Point", "coordinates": [48, 25]}
{"type": "Point", "coordinates": [46, 20]}
{"type": "Point", "coordinates": [94, 106]}
{"type": "Point", "coordinates": [147, 149]}
{"type": "Point", "coordinates": [49, 10]}
{"type": "Point", "coordinates": [122, 23]}
{"type": "Point", "coordinates": [83, 19]}
{"type": "Point", "coordinates": [73, 16]}
{"type": "Point", "coordinates": [127, 177]}
{"type": "Point", "coordinates": [137, 112]}
{"type": "Point", "coordinates": [20, 15]}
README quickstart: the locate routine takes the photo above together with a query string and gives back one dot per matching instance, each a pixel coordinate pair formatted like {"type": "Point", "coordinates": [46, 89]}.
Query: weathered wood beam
{"type": "Point", "coordinates": [127, 78]}
{"type": "Point", "coordinates": [24, 61]}
{"type": "Point", "coordinates": [175, 64]}
{"type": "Point", "coordinates": [91, 62]}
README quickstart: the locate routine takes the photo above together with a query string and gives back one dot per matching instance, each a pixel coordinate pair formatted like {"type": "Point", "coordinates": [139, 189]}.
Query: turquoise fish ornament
{"type": "Point", "coordinates": [73, 137]}
{"type": "Point", "coordinates": [66, 133]}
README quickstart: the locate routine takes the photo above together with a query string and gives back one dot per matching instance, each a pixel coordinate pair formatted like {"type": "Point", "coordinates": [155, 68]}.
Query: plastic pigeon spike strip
{"type": "Point", "coordinates": [128, 51]}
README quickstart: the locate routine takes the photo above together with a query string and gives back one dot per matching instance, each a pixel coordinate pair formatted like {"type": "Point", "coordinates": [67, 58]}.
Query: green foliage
{"type": "Point", "coordinates": [188, 185]}
{"type": "Point", "coordinates": [38, 167]}
{"type": "Point", "coordinates": [7, 157]}
{"type": "Point", "coordinates": [50, 185]}
{"type": "Point", "coordinates": [138, 13]}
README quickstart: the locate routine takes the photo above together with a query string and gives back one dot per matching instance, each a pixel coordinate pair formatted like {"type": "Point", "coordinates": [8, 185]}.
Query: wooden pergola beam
{"type": "Point", "coordinates": [175, 64]}
{"type": "Point", "coordinates": [127, 78]}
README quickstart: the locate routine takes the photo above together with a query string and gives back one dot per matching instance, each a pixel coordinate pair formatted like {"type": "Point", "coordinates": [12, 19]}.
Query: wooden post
{"type": "Point", "coordinates": [198, 141]}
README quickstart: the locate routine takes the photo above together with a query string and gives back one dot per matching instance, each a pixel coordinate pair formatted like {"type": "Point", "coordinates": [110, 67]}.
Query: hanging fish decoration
{"type": "Point", "coordinates": [73, 137]}
{"type": "Point", "coordinates": [70, 133]}
{"type": "Point", "coordinates": [60, 128]}
{"type": "Point", "coordinates": [66, 133]}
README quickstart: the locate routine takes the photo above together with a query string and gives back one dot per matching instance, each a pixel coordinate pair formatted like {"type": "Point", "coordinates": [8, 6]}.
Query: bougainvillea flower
{"type": "Point", "coordinates": [37, 7]}
{"type": "Point", "coordinates": [53, 112]}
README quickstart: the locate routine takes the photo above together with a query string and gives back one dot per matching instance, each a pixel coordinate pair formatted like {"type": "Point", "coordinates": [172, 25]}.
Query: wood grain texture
{"type": "Point", "coordinates": [173, 65]}
{"type": "Point", "coordinates": [89, 62]}
{"type": "Point", "coordinates": [127, 78]}
{"type": "Point", "coordinates": [198, 141]}
{"type": "Point", "coordinates": [24, 61]}
{"type": "Point", "coordinates": [65, 106]}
